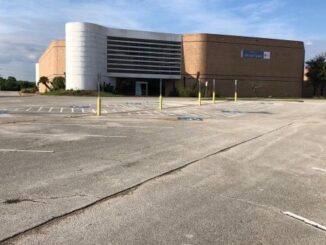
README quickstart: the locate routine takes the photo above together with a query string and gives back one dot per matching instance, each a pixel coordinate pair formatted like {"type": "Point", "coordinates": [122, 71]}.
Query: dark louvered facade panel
{"type": "Point", "coordinates": [143, 56]}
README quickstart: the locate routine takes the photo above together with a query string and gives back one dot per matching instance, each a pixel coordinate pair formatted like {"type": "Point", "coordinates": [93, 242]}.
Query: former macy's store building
{"type": "Point", "coordinates": [134, 62]}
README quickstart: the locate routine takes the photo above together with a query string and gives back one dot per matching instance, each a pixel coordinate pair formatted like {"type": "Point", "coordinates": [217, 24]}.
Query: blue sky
{"type": "Point", "coordinates": [27, 26]}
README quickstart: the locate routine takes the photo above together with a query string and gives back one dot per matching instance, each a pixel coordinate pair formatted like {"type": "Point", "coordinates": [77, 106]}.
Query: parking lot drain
{"type": "Point", "coordinates": [189, 118]}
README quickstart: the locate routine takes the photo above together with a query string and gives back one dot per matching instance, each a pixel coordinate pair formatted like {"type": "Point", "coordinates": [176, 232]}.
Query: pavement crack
{"type": "Point", "coordinates": [130, 189]}
{"type": "Point", "coordinates": [19, 200]}
{"type": "Point", "coordinates": [64, 197]}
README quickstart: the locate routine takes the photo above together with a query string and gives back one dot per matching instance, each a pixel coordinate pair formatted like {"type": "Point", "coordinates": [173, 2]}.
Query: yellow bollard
{"type": "Point", "coordinates": [98, 106]}
{"type": "Point", "coordinates": [235, 90]}
{"type": "Point", "coordinates": [213, 98]}
{"type": "Point", "coordinates": [199, 93]}
{"type": "Point", "coordinates": [161, 102]}
{"type": "Point", "coordinates": [161, 97]}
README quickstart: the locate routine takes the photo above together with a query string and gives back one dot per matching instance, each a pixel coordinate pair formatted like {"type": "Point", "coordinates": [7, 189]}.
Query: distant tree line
{"type": "Point", "coordinates": [12, 84]}
{"type": "Point", "coordinates": [317, 74]}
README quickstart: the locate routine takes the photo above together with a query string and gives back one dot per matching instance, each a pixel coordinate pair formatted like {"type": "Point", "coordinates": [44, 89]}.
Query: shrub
{"type": "Point", "coordinates": [29, 90]}
{"type": "Point", "coordinates": [58, 83]}
{"type": "Point", "coordinates": [77, 93]}
{"type": "Point", "coordinates": [107, 88]}
{"type": "Point", "coordinates": [185, 92]}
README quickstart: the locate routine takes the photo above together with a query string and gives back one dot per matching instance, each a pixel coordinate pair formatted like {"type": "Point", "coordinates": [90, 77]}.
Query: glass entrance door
{"type": "Point", "coordinates": [141, 89]}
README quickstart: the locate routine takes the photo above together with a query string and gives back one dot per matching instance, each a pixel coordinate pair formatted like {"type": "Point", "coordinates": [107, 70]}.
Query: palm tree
{"type": "Point", "coordinates": [44, 80]}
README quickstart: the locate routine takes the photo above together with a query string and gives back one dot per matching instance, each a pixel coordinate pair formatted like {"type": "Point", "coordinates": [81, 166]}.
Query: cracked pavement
{"type": "Point", "coordinates": [223, 180]}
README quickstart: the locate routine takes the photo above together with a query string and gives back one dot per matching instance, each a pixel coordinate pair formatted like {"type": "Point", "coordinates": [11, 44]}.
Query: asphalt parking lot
{"type": "Point", "coordinates": [251, 172]}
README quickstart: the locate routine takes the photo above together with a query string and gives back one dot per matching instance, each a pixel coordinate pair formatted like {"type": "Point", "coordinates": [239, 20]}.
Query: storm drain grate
{"type": "Point", "coordinates": [189, 118]}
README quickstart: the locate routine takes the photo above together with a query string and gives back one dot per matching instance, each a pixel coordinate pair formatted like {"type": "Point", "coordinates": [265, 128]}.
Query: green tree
{"type": "Point", "coordinates": [25, 84]}
{"type": "Point", "coordinates": [44, 80]}
{"type": "Point", "coordinates": [10, 84]}
{"type": "Point", "coordinates": [317, 73]}
{"type": "Point", "coordinates": [2, 83]}
{"type": "Point", "coordinates": [11, 79]}
{"type": "Point", "coordinates": [58, 83]}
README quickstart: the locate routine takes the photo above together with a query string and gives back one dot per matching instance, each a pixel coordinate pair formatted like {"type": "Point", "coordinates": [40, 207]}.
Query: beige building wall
{"type": "Point", "coordinates": [52, 62]}
{"type": "Point", "coordinates": [219, 57]}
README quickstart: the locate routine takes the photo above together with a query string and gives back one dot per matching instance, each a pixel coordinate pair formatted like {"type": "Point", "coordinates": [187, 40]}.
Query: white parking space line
{"type": "Point", "coordinates": [307, 221]}
{"type": "Point", "coordinates": [319, 169]}
{"type": "Point", "coordinates": [72, 135]}
{"type": "Point", "coordinates": [61, 109]}
{"type": "Point", "coordinates": [40, 109]}
{"type": "Point", "coordinates": [72, 110]}
{"type": "Point", "coordinates": [29, 109]}
{"type": "Point", "coordinates": [83, 110]}
{"type": "Point", "coordinates": [18, 150]}
{"type": "Point", "coordinates": [96, 125]}
{"type": "Point", "coordinates": [51, 108]}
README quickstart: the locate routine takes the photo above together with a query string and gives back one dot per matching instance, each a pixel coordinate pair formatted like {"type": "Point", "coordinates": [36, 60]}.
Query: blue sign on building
{"type": "Point", "coordinates": [255, 54]}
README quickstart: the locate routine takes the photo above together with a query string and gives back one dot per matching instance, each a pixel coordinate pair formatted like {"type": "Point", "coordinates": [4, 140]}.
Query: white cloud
{"type": "Point", "coordinates": [27, 27]}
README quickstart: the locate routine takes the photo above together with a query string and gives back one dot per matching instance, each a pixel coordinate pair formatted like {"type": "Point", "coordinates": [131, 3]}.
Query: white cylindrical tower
{"type": "Point", "coordinates": [86, 46]}
{"type": "Point", "coordinates": [37, 73]}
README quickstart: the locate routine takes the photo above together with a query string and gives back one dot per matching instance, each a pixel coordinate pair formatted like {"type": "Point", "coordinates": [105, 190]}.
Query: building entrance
{"type": "Point", "coordinates": [141, 89]}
